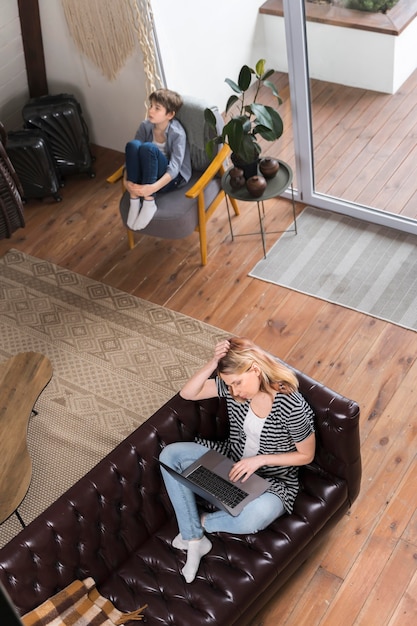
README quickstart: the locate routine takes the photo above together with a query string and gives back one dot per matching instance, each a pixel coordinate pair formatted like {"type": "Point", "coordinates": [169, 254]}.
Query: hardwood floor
{"type": "Point", "coordinates": [365, 573]}
{"type": "Point", "coordinates": [364, 143]}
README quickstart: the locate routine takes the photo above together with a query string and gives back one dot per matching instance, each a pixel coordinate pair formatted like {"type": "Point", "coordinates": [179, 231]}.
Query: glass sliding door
{"type": "Point", "coordinates": [355, 145]}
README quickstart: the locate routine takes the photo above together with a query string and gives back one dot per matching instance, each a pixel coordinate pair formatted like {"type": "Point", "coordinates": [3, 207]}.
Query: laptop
{"type": "Point", "coordinates": [8, 613]}
{"type": "Point", "coordinates": [209, 478]}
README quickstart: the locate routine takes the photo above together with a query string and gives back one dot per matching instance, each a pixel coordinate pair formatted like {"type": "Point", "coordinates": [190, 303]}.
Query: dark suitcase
{"type": "Point", "coordinates": [61, 119]}
{"type": "Point", "coordinates": [34, 163]}
{"type": "Point", "coordinates": [11, 206]}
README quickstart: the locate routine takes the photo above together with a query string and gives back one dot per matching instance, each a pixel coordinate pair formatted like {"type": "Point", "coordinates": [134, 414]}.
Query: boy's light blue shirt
{"type": "Point", "coordinates": [177, 148]}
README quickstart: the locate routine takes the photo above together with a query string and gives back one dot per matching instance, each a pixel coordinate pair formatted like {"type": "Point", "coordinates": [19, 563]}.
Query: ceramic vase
{"type": "Point", "coordinates": [256, 185]}
{"type": "Point", "coordinates": [268, 167]}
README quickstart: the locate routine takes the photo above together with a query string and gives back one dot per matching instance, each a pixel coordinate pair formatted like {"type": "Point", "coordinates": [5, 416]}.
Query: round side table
{"type": "Point", "coordinates": [275, 186]}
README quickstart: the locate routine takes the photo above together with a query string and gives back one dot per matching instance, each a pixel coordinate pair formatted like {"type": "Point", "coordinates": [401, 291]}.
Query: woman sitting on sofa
{"type": "Point", "coordinates": [271, 433]}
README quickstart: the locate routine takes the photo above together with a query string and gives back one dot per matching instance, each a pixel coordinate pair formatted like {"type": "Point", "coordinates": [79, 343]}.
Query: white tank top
{"type": "Point", "coordinates": [161, 147]}
{"type": "Point", "coordinates": [253, 427]}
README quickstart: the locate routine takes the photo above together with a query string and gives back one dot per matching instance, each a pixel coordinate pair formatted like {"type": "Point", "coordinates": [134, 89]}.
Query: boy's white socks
{"type": "Point", "coordinates": [146, 213]}
{"type": "Point", "coordinates": [134, 209]}
{"type": "Point", "coordinates": [196, 550]}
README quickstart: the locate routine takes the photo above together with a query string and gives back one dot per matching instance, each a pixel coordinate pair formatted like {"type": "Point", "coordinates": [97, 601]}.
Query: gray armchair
{"type": "Point", "coordinates": [189, 208]}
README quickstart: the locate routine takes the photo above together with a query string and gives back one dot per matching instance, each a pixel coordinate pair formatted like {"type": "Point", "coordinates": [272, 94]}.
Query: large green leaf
{"type": "Point", "coordinates": [249, 149]}
{"type": "Point", "coordinates": [211, 146]}
{"type": "Point", "coordinates": [231, 101]}
{"type": "Point", "coordinates": [265, 132]}
{"type": "Point", "coordinates": [260, 67]}
{"type": "Point", "coordinates": [267, 75]}
{"type": "Point", "coordinates": [210, 118]}
{"type": "Point", "coordinates": [233, 133]}
{"type": "Point", "coordinates": [272, 87]}
{"type": "Point", "coordinates": [245, 78]}
{"type": "Point", "coordinates": [269, 118]}
{"type": "Point", "coordinates": [233, 86]}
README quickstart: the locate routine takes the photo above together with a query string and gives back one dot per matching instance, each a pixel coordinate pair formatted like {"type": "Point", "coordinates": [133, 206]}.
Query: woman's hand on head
{"type": "Point", "coordinates": [221, 349]}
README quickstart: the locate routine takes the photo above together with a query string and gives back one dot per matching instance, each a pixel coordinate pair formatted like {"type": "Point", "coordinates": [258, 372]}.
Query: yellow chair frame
{"type": "Point", "coordinates": [216, 168]}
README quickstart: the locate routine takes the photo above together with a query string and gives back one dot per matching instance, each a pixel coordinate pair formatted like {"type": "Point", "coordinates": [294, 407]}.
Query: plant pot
{"type": "Point", "coordinates": [249, 169]}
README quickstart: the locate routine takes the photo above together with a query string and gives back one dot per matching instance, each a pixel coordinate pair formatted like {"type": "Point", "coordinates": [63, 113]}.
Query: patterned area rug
{"type": "Point", "coordinates": [116, 359]}
{"type": "Point", "coordinates": [361, 266]}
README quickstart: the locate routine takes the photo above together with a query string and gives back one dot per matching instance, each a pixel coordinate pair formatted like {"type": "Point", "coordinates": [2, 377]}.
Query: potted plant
{"type": "Point", "coordinates": [251, 119]}
{"type": "Point", "coordinates": [373, 6]}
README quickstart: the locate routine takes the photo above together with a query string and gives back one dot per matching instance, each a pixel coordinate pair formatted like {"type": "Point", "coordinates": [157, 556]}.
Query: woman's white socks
{"type": "Point", "coordinates": [196, 550]}
{"type": "Point", "coordinates": [179, 543]}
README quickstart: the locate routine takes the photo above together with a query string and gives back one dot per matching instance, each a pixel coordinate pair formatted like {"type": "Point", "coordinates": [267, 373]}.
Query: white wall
{"type": "Point", "coordinates": [198, 50]}
{"type": "Point", "coordinates": [405, 54]}
{"type": "Point", "coordinates": [112, 108]}
{"type": "Point", "coordinates": [202, 43]}
{"type": "Point", "coordinates": [13, 80]}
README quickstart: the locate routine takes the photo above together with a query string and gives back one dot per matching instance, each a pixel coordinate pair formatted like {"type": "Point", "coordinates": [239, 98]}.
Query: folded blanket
{"type": "Point", "coordinates": [79, 604]}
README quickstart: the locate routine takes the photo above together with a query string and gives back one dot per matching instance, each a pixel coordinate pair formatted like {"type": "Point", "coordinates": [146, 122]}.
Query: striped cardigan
{"type": "Point", "coordinates": [290, 421]}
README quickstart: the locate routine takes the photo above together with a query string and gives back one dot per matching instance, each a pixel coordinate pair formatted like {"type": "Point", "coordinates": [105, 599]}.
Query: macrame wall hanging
{"type": "Point", "coordinates": [105, 32]}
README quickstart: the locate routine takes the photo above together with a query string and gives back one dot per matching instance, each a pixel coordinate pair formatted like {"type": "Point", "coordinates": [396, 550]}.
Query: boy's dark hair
{"type": "Point", "coordinates": [170, 100]}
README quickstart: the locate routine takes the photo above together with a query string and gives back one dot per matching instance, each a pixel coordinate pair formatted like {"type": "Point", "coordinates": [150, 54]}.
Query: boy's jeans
{"type": "Point", "coordinates": [145, 164]}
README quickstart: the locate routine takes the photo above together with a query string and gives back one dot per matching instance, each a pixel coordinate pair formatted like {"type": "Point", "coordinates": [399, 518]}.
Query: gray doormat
{"type": "Point", "coordinates": [365, 267]}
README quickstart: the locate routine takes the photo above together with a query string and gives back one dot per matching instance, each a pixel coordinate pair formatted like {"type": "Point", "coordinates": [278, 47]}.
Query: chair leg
{"type": "Point", "coordinates": [130, 239]}
{"type": "Point", "coordinates": [203, 244]}
{"type": "Point", "coordinates": [202, 228]}
{"type": "Point", "coordinates": [235, 206]}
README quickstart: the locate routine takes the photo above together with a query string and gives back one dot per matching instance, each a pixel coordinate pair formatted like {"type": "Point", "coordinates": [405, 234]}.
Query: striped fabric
{"type": "Point", "coordinates": [362, 266]}
{"type": "Point", "coordinates": [79, 604]}
{"type": "Point", "coordinates": [291, 420]}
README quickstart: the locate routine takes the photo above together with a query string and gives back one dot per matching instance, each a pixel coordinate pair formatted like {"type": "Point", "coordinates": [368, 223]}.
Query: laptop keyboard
{"type": "Point", "coordinates": [226, 492]}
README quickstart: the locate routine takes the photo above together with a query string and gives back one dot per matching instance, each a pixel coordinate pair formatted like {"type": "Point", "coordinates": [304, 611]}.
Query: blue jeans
{"type": "Point", "coordinates": [257, 515]}
{"type": "Point", "coordinates": [145, 164]}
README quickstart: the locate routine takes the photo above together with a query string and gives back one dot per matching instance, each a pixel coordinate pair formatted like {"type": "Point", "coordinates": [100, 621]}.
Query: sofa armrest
{"type": "Point", "coordinates": [337, 433]}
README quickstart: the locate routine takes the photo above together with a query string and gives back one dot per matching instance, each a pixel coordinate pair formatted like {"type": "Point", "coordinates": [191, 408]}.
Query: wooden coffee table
{"type": "Point", "coordinates": [22, 379]}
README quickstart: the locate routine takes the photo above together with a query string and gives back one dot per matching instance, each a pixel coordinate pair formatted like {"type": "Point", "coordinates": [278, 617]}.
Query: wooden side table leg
{"type": "Point", "coordinates": [261, 215]}
{"type": "Point", "coordinates": [293, 209]}
{"type": "Point", "coordinates": [19, 517]}
{"type": "Point", "coordinates": [229, 217]}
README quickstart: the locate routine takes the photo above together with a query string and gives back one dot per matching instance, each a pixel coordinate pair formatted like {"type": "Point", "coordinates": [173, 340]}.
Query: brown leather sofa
{"type": "Point", "coordinates": [116, 524]}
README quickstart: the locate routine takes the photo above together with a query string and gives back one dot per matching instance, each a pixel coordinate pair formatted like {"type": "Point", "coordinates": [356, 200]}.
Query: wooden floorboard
{"type": "Point", "coordinates": [365, 143]}
{"type": "Point", "coordinates": [365, 572]}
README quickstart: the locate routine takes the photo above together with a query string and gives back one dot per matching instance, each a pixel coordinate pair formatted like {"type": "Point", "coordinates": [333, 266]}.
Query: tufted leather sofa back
{"type": "Point", "coordinates": [116, 523]}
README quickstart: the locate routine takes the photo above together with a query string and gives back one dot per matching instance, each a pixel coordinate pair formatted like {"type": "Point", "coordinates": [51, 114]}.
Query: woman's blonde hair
{"type": "Point", "coordinates": [243, 354]}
